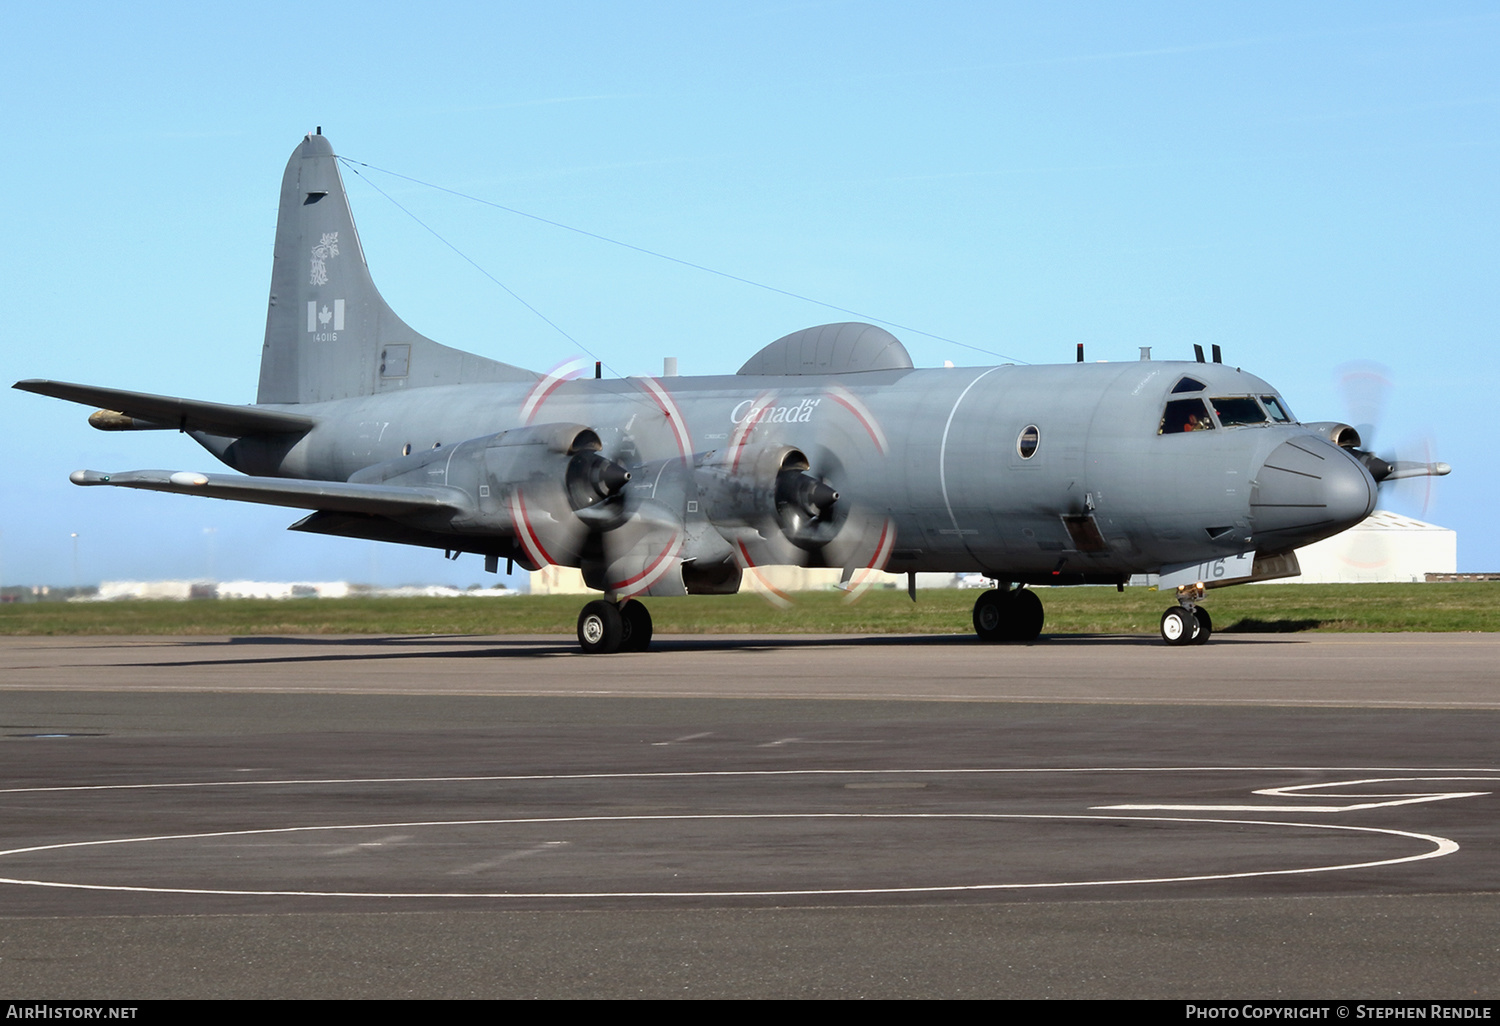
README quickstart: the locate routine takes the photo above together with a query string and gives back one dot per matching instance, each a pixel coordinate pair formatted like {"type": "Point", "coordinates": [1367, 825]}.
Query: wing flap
{"type": "Point", "coordinates": [334, 496]}
{"type": "Point", "coordinates": [171, 412]}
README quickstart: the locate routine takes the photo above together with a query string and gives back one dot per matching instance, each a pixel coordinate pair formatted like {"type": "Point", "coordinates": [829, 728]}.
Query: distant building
{"type": "Point", "coordinates": [1386, 547]}
{"type": "Point", "coordinates": [557, 580]}
{"type": "Point", "coordinates": [112, 591]}
{"type": "Point", "coordinates": [284, 589]}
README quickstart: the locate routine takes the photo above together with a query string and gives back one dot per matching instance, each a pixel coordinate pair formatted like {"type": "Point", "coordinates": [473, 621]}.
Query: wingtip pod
{"type": "Point", "coordinates": [158, 479]}
{"type": "Point", "coordinates": [114, 420]}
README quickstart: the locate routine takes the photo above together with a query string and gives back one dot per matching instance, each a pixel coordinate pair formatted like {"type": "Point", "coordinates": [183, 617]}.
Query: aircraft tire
{"type": "Point", "coordinates": [1205, 625]}
{"type": "Point", "coordinates": [1179, 626]}
{"type": "Point", "coordinates": [601, 628]}
{"type": "Point", "coordinates": [637, 622]}
{"type": "Point", "coordinates": [1008, 615]}
{"type": "Point", "coordinates": [992, 615]}
{"type": "Point", "coordinates": [1027, 615]}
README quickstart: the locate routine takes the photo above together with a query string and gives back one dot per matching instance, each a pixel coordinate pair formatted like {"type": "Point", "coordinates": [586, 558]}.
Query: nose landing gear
{"type": "Point", "coordinates": [1187, 623]}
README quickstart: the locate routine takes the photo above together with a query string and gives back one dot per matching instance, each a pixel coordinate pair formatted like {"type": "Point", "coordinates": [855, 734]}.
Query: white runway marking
{"type": "Point", "coordinates": [688, 774]}
{"type": "Point", "coordinates": [686, 737]}
{"type": "Point", "coordinates": [1405, 798]}
{"type": "Point", "coordinates": [364, 846]}
{"type": "Point", "coordinates": [480, 867]}
{"type": "Point", "coordinates": [891, 779]}
{"type": "Point", "coordinates": [1441, 846]}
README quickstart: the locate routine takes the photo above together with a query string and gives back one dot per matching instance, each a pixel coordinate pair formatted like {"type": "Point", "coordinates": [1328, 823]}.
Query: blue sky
{"type": "Point", "coordinates": [1307, 185]}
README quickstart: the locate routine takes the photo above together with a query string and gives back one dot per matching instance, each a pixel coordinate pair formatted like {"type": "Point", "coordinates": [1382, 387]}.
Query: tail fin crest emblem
{"type": "Point", "coordinates": [329, 333]}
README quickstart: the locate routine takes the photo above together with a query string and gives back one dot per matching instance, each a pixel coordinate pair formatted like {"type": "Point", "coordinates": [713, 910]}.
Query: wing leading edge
{"type": "Point", "coordinates": [167, 411]}
{"type": "Point", "coordinates": [329, 496]}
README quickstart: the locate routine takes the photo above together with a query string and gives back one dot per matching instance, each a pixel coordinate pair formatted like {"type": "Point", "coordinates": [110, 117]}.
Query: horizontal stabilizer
{"type": "Point", "coordinates": [170, 412]}
{"type": "Point", "coordinates": [387, 500]}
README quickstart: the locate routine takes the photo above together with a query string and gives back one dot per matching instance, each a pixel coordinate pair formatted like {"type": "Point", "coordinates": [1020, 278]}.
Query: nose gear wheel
{"type": "Point", "coordinates": [1183, 626]}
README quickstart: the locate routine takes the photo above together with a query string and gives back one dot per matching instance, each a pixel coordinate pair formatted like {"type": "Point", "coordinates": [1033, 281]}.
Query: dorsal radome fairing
{"type": "Point", "coordinates": [329, 334]}
{"type": "Point", "coordinates": [845, 348]}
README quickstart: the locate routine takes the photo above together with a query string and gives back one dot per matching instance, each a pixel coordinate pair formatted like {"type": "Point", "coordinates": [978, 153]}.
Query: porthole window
{"type": "Point", "coordinates": [1027, 441]}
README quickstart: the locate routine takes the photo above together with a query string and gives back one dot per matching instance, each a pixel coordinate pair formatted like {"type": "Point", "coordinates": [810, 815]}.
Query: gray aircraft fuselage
{"type": "Point", "coordinates": [827, 448]}
{"type": "Point", "coordinates": [953, 480]}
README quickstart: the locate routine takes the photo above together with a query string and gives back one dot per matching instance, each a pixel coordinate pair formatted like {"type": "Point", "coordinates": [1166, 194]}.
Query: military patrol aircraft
{"type": "Point", "coordinates": [828, 448]}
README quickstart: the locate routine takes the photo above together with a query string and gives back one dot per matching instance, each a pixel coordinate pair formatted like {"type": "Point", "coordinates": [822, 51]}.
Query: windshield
{"type": "Point", "coordinates": [1278, 411]}
{"type": "Point", "coordinates": [1185, 415]}
{"type": "Point", "coordinates": [1233, 410]}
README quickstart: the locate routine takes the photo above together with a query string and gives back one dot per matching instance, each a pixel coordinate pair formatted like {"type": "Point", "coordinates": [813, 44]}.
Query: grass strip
{"type": "Point", "coordinates": [1261, 608]}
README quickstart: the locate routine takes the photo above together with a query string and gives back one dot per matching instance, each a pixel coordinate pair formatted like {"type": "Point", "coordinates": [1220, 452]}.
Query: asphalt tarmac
{"type": "Point", "coordinates": [1264, 817]}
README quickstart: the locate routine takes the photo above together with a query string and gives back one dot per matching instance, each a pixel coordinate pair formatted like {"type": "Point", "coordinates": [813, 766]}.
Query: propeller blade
{"type": "Point", "coordinates": [642, 544]}
{"type": "Point", "coordinates": [546, 525]}
{"type": "Point", "coordinates": [642, 555]}
{"type": "Point", "coordinates": [1364, 386]}
{"type": "Point", "coordinates": [863, 547]}
{"type": "Point", "coordinates": [556, 487]}
{"type": "Point", "coordinates": [777, 492]}
{"type": "Point", "coordinates": [760, 581]}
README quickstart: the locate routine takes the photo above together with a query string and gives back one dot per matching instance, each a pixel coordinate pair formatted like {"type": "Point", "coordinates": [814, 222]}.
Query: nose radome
{"type": "Point", "coordinates": [1308, 489]}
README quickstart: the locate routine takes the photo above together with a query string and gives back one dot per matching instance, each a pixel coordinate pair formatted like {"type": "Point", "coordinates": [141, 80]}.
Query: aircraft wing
{"type": "Point", "coordinates": [333, 496]}
{"type": "Point", "coordinates": [171, 412]}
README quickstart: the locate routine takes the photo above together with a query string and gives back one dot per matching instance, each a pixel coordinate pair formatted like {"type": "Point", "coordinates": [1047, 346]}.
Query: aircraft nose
{"type": "Point", "coordinates": [1308, 489]}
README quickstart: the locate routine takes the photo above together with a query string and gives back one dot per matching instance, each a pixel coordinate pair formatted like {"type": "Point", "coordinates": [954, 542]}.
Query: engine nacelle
{"type": "Point", "coordinates": [766, 503]}
{"type": "Point", "coordinates": [548, 481]}
{"type": "Point", "coordinates": [1342, 435]}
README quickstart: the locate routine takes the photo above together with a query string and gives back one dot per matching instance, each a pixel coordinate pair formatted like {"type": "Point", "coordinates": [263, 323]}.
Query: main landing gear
{"type": "Point", "coordinates": [606, 626]}
{"type": "Point", "coordinates": [1187, 623]}
{"type": "Point", "coordinates": [1008, 614]}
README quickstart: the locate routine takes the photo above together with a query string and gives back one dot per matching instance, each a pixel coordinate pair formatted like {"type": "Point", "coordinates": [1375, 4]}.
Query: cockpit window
{"type": "Point", "coordinates": [1187, 385]}
{"type": "Point", "coordinates": [1279, 413]}
{"type": "Point", "coordinates": [1238, 409]}
{"type": "Point", "coordinates": [1185, 415]}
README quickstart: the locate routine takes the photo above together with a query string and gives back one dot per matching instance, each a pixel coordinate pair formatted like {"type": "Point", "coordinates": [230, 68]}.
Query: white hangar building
{"type": "Point", "coordinates": [1386, 547]}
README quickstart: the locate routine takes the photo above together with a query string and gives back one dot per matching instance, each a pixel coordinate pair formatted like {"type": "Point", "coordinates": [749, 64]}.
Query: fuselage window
{"type": "Point", "coordinates": [1027, 441]}
{"type": "Point", "coordinates": [1185, 415]}
{"type": "Point", "coordinates": [1234, 410]}
{"type": "Point", "coordinates": [1279, 413]}
{"type": "Point", "coordinates": [1187, 385]}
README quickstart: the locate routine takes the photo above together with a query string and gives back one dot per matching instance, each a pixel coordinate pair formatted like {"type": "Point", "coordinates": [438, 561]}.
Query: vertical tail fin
{"type": "Point", "coordinates": [329, 334]}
